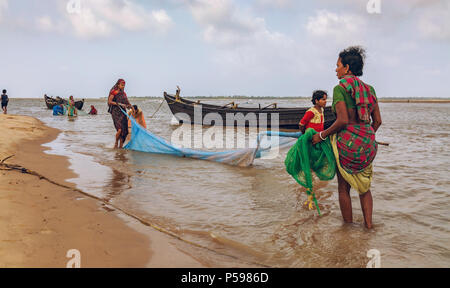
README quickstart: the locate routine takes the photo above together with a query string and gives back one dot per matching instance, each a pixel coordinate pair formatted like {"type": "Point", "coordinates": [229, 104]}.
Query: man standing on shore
{"type": "Point", "coordinates": [5, 101]}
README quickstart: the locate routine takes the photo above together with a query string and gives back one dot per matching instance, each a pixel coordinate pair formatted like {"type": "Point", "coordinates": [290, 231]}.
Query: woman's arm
{"type": "Point", "coordinates": [338, 125]}
{"type": "Point", "coordinates": [110, 99]}
{"type": "Point", "coordinates": [376, 117]}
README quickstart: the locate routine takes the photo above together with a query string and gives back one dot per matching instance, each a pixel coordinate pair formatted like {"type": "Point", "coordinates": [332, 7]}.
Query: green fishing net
{"type": "Point", "coordinates": [304, 158]}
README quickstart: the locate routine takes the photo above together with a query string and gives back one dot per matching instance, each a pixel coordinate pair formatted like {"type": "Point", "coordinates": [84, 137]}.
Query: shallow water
{"type": "Point", "coordinates": [256, 213]}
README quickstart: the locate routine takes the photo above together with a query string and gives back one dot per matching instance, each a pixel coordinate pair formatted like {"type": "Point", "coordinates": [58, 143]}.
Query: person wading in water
{"type": "Point", "coordinates": [358, 117]}
{"type": "Point", "coordinates": [117, 101]}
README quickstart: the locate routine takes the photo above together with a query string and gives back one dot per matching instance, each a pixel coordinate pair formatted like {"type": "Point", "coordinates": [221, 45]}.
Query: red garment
{"type": "Point", "coordinates": [362, 95]}
{"type": "Point", "coordinates": [120, 120]}
{"type": "Point", "coordinates": [357, 147]}
{"type": "Point", "coordinates": [313, 119]}
{"type": "Point", "coordinates": [93, 111]}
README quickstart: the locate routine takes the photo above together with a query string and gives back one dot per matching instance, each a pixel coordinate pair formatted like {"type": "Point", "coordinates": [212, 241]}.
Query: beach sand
{"type": "Point", "coordinates": [40, 221]}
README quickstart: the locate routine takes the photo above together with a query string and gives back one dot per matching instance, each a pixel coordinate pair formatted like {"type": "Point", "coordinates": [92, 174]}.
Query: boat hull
{"type": "Point", "coordinates": [52, 102]}
{"type": "Point", "coordinates": [288, 118]}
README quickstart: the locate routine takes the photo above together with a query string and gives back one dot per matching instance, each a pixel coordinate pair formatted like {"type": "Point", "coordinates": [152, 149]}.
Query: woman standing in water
{"type": "Point", "coordinates": [118, 99]}
{"type": "Point", "coordinates": [353, 134]}
{"type": "Point", "coordinates": [71, 109]}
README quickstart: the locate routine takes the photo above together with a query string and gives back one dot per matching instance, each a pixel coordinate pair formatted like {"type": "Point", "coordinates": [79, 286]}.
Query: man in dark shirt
{"type": "Point", "coordinates": [5, 101]}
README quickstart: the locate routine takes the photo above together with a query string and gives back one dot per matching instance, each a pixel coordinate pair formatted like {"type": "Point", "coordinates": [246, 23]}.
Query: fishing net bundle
{"type": "Point", "coordinates": [304, 158]}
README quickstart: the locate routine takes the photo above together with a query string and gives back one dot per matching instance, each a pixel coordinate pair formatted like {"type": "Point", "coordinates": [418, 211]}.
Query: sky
{"type": "Point", "coordinates": [220, 47]}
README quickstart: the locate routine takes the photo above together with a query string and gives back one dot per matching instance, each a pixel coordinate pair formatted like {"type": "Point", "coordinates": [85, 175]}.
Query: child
{"type": "Point", "coordinates": [5, 101]}
{"type": "Point", "coordinates": [137, 114]}
{"type": "Point", "coordinates": [314, 117]}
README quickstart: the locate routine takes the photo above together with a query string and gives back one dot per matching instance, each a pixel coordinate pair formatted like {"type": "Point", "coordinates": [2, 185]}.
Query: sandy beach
{"type": "Point", "coordinates": [40, 222]}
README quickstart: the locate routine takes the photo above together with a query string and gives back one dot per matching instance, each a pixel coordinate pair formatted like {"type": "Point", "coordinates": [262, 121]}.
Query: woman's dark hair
{"type": "Point", "coordinates": [354, 57]}
{"type": "Point", "coordinates": [317, 95]}
{"type": "Point", "coordinates": [4, 91]}
{"type": "Point", "coordinates": [135, 107]}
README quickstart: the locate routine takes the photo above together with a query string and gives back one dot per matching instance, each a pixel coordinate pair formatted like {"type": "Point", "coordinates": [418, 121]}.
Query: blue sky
{"type": "Point", "coordinates": [220, 47]}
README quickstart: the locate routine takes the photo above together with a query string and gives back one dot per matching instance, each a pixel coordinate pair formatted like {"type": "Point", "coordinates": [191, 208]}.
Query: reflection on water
{"type": "Point", "coordinates": [257, 212]}
{"type": "Point", "coordinates": [119, 180]}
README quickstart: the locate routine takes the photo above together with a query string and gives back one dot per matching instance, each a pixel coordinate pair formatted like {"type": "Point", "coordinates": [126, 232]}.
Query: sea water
{"type": "Point", "coordinates": [256, 213]}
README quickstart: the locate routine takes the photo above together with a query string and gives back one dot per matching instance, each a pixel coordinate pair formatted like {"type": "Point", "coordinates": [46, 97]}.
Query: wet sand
{"type": "Point", "coordinates": [40, 222]}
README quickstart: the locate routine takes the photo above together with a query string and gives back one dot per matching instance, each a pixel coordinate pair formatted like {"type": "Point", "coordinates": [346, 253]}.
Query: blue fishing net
{"type": "Point", "coordinates": [144, 141]}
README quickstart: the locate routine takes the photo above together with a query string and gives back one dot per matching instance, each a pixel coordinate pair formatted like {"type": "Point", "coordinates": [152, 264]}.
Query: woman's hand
{"type": "Point", "coordinates": [302, 128]}
{"type": "Point", "coordinates": [316, 139]}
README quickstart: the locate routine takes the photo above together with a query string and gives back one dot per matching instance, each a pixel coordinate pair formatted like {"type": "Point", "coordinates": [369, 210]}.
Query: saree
{"type": "Point", "coordinates": [355, 146]}
{"type": "Point", "coordinates": [120, 120]}
{"type": "Point", "coordinates": [71, 109]}
{"type": "Point", "coordinates": [359, 181]}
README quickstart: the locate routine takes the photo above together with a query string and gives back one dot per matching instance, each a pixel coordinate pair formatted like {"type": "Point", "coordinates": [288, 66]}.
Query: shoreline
{"type": "Point", "coordinates": [306, 98]}
{"type": "Point", "coordinates": [40, 221]}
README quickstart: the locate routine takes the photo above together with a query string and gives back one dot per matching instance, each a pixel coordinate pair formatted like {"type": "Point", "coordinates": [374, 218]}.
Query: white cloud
{"type": "Point", "coordinates": [434, 22]}
{"type": "Point", "coordinates": [280, 4]}
{"type": "Point", "coordinates": [342, 28]}
{"type": "Point", "coordinates": [225, 25]}
{"type": "Point", "coordinates": [3, 8]}
{"type": "Point", "coordinates": [243, 40]}
{"type": "Point", "coordinates": [101, 18]}
{"type": "Point", "coordinates": [87, 24]}
{"type": "Point", "coordinates": [161, 20]}
{"type": "Point", "coordinates": [46, 24]}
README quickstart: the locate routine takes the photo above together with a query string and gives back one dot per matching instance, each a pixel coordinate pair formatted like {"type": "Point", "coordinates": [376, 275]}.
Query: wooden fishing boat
{"type": "Point", "coordinates": [289, 118]}
{"type": "Point", "coordinates": [51, 102]}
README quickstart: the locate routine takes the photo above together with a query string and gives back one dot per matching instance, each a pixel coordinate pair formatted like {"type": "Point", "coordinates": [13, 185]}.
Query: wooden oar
{"type": "Point", "coordinates": [383, 143]}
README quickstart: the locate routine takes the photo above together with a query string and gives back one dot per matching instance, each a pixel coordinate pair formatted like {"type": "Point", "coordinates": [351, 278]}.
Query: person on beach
{"type": "Point", "coordinates": [93, 110]}
{"type": "Point", "coordinates": [138, 115]}
{"type": "Point", "coordinates": [314, 118]}
{"type": "Point", "coordinates": [177, 95]}
{"type": "Point", "coordinates": [353, 134]}
{"type": "Point", "coordinates": [58, 110]}
{"type": "Point", "coordinates": [117, 101]}
{"type": "Point", "coordinates": [5, 101]}
{"type": "Point", "coordinates": [71, 109]}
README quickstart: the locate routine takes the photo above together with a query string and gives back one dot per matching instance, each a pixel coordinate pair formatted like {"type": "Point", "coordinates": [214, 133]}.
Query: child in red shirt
{"type": "Point", "coordinates": [314, 117]}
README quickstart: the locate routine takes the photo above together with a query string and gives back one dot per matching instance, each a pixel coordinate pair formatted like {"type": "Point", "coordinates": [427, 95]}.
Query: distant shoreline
{"type": "Point", "coordinates": [381, 100]}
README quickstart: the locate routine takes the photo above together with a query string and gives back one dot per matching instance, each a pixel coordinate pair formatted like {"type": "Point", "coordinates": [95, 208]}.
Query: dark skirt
{"type": "Point", "coordinates": [120, 122]}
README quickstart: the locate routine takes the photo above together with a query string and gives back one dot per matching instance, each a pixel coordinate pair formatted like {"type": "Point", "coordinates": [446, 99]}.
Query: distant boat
{"type": "Point", "coordinates": [289, 118]}
{"type": "Point", "coordinates": [51, 102]}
